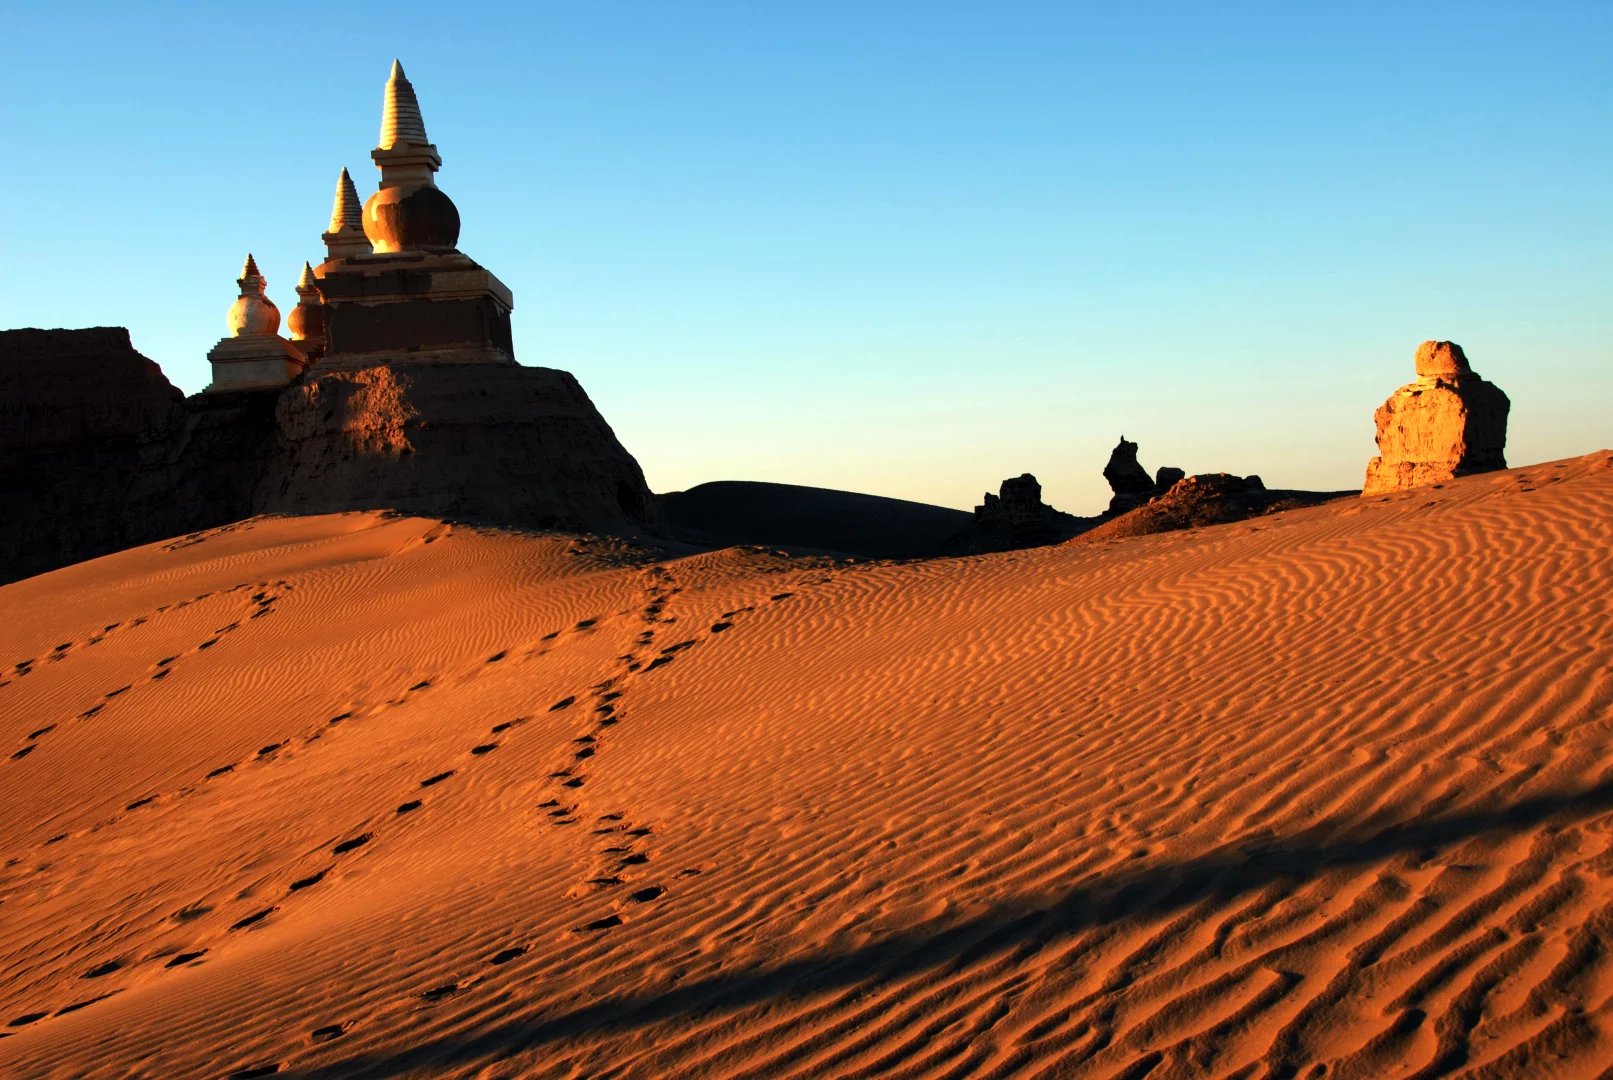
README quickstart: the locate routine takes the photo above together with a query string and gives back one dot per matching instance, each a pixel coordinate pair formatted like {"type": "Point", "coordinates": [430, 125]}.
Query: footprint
{"type": "Point", "coordinates": [439, 778]}
{"type": "Point", "coordinates": [115, 693]}
{"type": "Point", "coordinates": [574, 782]}
{"type": "Point", "coordinates": [781, 596]}
{"type": "Point", "coordinates": [138, 803]}
{"type": "Point", "coordinates": [636, 859]}
{"type": "Point", "coordinates": [102, 969]}
{"type": "Point", "coordinates": [86, 1003]}
{"type": "Point", "coordinates": [312, 879]}
{"type": "Point", "coordinates": [20, 754]}
{"type": "Point", "coordinates": [604, 882]}
{"type": "Point", "coordinates": [46, 730]}
{"type": "Point", "coordinates": [719, 627]}
{"type": "Point", "coordinates": [563, 703]}
{"type": "Point", "coordinates": [659, 661]}
{"type": "Point", "coordinates": [506, 955]}
{"type": "Point", "coordinates": [421, 685]}
{"type": "Point", "coordinates": [496, 657]}
{"type": "Point", "coordinates": [328, 1032]}
{"type": "Point", "coordinates": [271, 748]}
{"type": "Point", "coordinates": [599, 924]}
{"type": "Point", "coordinates": [437, 993]}
{"type": "Point", "coordinates": [220, 771]}
{"type": "Point", "coordinates": [254, 918]}
{"type": "Point", "coordinates": [644, 896]}
{"type": "Point", "coordinates": [412, 804]}
{"type": "Point", "coordinates": [255, 1070]}
{"type": "Point", "coordinates": [484, 748]}
{"type": "Point", "coordinates": [184, 958]}
{"type": "Point", "coordinates": [28, 1018]}
{"type": "Point", "coordinates": [349, 845]}
{"type": "Point", "coordinates": [337, 719]}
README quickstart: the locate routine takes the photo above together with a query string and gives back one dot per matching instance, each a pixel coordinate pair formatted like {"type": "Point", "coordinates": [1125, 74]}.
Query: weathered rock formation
{"type": "Point", "coordinates": [1130, 482]}
{"type": "Point", "coordinates": [98, 451]}
{"type": "Point", "coordinates": [1016, 517]}
{"type": "Point", "coordinates": [1448, 423]}
{"type": "Point", "coordinates": [1206, 499]}
{"type": "Point", "coordinates": [512, 445]}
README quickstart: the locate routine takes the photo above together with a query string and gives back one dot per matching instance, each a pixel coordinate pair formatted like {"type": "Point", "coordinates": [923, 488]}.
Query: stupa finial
{"type": "Point", "coordinates": [401, 123]}
{"type": "Point", "coordinates": [249, 270]}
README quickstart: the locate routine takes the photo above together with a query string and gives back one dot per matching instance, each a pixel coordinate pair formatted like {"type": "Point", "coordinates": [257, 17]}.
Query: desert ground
{"type": "Point", "coordinates": [1322, 793]}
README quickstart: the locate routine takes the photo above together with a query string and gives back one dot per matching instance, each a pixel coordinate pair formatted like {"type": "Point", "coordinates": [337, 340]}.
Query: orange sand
{"type": "Point", "coordinates": [1331, 787]}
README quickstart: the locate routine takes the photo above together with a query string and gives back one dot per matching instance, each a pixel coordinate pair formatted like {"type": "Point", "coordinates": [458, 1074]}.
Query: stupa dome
{"type": "Point", "coordinates": [252, 312]}
{"type": "Point", "coordinates": [411, 219]}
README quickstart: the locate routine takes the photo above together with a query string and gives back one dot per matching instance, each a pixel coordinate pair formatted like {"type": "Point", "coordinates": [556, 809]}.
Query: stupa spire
{"type": "Point", "coordinates": [401, 123]}
{"type": "Point", "coordinates": [345, 237]}
{"type": "Point", "coordinates": [346, 212]}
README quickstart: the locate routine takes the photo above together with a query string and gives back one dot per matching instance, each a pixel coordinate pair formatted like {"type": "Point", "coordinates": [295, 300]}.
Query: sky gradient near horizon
{"type": "Point", "coordinates": [902, 248]}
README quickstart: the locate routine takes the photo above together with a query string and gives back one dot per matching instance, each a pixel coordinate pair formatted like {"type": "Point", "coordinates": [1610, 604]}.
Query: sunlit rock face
{"type": "Point", "coordinates": [512, 445]}
{"type": "Point", "coordinates": [1448, 423]}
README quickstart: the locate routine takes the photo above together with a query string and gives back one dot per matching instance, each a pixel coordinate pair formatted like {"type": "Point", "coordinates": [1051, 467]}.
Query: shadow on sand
{"type": "Point", "coordinates": [1026, 923]}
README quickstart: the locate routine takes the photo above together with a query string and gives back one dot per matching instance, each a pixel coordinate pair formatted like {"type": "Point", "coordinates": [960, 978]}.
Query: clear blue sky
{"type": "Point", "coordinates": [905, 248]}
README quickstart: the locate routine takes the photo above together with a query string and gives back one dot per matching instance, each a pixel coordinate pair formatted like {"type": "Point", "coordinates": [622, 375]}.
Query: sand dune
{"type": "Point", "coordinates": [1322, 793]}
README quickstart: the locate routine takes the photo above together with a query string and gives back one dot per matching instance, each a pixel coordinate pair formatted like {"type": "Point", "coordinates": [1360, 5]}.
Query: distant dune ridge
{"type": "Point", "coordinates": [374, 795]}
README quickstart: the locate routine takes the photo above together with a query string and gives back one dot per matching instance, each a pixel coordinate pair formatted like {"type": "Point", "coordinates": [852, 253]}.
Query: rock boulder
{"type": "Point", "coordinates": [1448, 423]}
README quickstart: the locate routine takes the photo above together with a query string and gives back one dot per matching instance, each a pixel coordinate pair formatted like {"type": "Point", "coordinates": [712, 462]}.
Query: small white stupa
{"type": "Point", "coordinates": [254, 356]}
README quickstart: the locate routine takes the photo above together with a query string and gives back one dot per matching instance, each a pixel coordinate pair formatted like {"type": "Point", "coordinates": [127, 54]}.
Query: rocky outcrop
{"type": "Point", "coordinates": [99, 452]}
{"type": "Point", "coordinates": [1206, 499]}
{"type": "Point", "coordinates": [84, 418]}
{"type": "Point", "coordinates": [1016, 517]}
{"type": "Point", "coordinates": [510, 445]}
{"type": "Point", "coordinates": [1130, 482]}
{"type": "Point", "coordinates": [1448, 423]}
